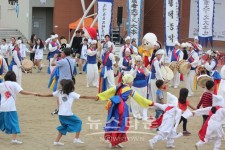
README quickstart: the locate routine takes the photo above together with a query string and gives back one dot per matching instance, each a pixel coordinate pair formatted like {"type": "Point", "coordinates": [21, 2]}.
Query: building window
{"type": "Point", "coordinates": [12, 2]}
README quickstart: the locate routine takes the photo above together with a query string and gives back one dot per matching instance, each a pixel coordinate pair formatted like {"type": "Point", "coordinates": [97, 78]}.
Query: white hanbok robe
{"type": "Point", "coordinates": [170, 122]}
{"type": "Point", "coordinates": [158, 75]}
{"type": "Point", "coordinates": [138, 111]}
{"type": "Point", "coordinates": [189, 78]}
{"type": "Point", "coordinates": [52, 49]}
{"type": "Point", "coordinates": [23, 50]}
{"type": "Point", "coordinates": [17, 68]}
{"type": "Point", "coordinates": [214, 130]}
{"type": "Point", "coordinates": [221, 90]}
{"type": "Point", "coordinates": [109, 74]}
{"type": "Point", "coordinates": [176, 79]}
{"type": "Point", "coordinates": [92, 71]}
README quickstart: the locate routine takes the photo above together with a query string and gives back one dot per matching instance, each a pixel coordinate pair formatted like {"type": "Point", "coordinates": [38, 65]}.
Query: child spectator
{"type": "Point", "coordinates": [183, 104]}
{"type": "Point", "coordinates": [206, 99]}
{"type": "Point", "coordinates": [159, 97]}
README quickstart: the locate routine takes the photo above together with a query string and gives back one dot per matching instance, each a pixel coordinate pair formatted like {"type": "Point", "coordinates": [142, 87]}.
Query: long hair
{"type": "Point", "coordinates": [183, 95]}
{"type": "Point", "coordinates": [67, 86]}
{"type": "Point", "coordinates": [32, 38]}
{"type": "Point", "coordinates": [41, 44]}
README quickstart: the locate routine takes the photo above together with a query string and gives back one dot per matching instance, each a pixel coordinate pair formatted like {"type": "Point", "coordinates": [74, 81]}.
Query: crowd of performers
{"type": "Point", "coordinates": [140, 79]}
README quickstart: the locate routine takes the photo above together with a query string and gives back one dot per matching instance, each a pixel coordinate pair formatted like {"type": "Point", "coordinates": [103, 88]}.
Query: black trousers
{"type": "Point", "coordinates": [184, 123]}
{"type": "Point", "coordinates": [32, 56]}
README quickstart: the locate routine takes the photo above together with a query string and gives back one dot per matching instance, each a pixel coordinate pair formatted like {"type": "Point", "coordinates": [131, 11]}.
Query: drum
{"type": "Point", "coordinates": [173, 66]}
{"type": "Point", "coordinates": [167, 73]}
{"type": "Point", "coordinates": [200, 70]}
{"type": "Point", "coordinates": [27, 64]}
{"type": "Point", "coordinates": [202, 79]}
{"type": "Point", "coordinates": [183, 67]}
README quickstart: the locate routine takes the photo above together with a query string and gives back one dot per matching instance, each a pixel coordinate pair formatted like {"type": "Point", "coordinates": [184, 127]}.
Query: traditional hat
{"type": "Point", "coordinates": [190, 44]}
{"type": "Point", "coordinates": [91, 32]}
{"type": "Point", "coordinates": [176, 43]}
{"type": "Point", "coordinates": [218, 100]}
{"type": "Point", "coordinates": [54, 36]}
{"type": "Point", "coordinates": [195, 38]}
{"type": "Point", "coordinates": [184, 45]}
{"type": "Point", "coordinates": [160, 52]}
{"type": "Point", "coordinates": [172, 99]}
{"type": "Point", "coordinates": [138, 58]}
{"type": "Point", "coordinates": [93, 42]}
{"type": "Point", "coordinates": [127, 38]}
{"type": "Point", "coordinates": [128, 78]}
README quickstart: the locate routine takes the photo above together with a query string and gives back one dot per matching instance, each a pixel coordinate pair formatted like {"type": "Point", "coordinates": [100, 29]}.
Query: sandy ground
{"type": "Point", "coordinates": [38, 126]}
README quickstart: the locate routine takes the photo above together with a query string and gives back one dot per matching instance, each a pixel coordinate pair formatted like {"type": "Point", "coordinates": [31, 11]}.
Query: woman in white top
{"type": "Point", "coordinates": [38, 50]}
{"type": "Point", "coordinates": [5, 50]}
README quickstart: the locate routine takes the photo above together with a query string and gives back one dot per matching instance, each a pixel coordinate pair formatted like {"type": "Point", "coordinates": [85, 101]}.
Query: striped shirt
{"type": "Point", "coordinates": [206, 100]}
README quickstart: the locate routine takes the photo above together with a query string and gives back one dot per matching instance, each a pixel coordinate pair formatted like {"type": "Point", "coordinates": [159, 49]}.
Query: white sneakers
{"type": "Point", "coordinates": [16, 142]}
{"type": "Point", "coordinates": [170, 146]}
{"type": "Point", "coordinates": [117, 146]}
{"type": "Point", "coordinates": [77, 141]}
{"type": "Point", "coordinates": [74, 141]}
{"type": "Point", "coordinates": [58, 144]}
{"type": "Point", "coordinates": [151, 144]}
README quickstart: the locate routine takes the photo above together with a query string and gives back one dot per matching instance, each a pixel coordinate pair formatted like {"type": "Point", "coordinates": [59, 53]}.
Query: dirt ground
{"type": "Point", "coordinates": [38, 126]}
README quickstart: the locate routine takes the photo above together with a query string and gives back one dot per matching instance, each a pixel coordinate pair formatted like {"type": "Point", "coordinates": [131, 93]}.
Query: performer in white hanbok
{"type": "Point", "coordinates": [107, 79]}
{"type": "Point", "coordinates": [92, 68]}
{"type": "Point", "coordinates": [211, 66]}
{"type": "Point", "coordinates": [221, 90]}
{"type": "Point", "coordinates": [3, 68]}
{"type": "Point", "coordinates": [212, 129]}
{"type": "Point", "coordinates": [168, 122]}
{"type": "Point", "coordinates": [140, 73]}
{"type": "Point", "coordinates": [125, 64]}
{"type": "Point", "coordinates": [156, 73]}
{"type": "Point", "coordinates": [176, 56]}
{"type": "Point", "coordinates": [127, 45]}
{"type": "Point", "coordinates": [23, 48]}
{"type": "Point", "coordinates": [193, 59]}
{"type": "Point", "coordinates": [197, 46]}
{"type": "Point", "coordinates": [15, 64]}
{"type": "Point", "coordinates": [53, 49]}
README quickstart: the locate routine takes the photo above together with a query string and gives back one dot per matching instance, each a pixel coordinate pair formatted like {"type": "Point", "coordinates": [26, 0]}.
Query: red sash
{"type": "Point", "coordinates": [203, 130]}
{"type": "Point", "coordinates": [106, 57]}
{"type": "Point", "coordinates": [158, 122]}
{"type": "Point", "coordinates": [54, 44]}
{"type": "Point", "coordinates": [131, 51]}
{"type": "Point", "coordinates": [175, 54]}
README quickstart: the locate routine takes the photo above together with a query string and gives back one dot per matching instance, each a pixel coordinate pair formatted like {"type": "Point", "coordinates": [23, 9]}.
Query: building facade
{"type": "Point", "coordinates": [28, 16]}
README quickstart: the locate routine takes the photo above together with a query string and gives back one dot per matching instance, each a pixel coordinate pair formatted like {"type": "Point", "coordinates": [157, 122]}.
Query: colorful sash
{"type": "Point", "coordinates": [203, 130]}
{"type": "Point", "coordinates": [158, 122]}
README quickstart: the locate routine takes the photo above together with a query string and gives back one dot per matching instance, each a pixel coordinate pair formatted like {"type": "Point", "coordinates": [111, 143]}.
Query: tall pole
{"type": "Point", "coordinates": [82, 19]}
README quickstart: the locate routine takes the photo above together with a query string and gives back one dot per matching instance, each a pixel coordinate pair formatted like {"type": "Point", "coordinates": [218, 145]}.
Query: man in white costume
{"type": "Point", "coordinates": [212, 129]}
{"type": "Point", "coordinates": [126, 45]}
{"type": "Point", "coordinates": [54, 48]}
{"type": "Point", "coordinates": [193, 59]}
{"type": "Point", "coordinates": [170, 122]}
{"type": "Point", "coordinates": [197, 46]}
{"type": "Point", "coordinates": [107, 79]}
{"type": "Point", "coordinates": [92, 68]}
{"type": "Point", "coordinates": [156, 73]}
{"type": "Point", "coordinates": [177, 55]}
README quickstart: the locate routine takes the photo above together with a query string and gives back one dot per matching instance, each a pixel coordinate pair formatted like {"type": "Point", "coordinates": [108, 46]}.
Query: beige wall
{"type": "Point", "coordinates": [23, 23]}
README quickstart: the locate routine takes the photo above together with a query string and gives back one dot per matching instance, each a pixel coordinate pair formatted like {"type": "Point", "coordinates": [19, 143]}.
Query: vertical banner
{"type": "Point", "coordinates": [135, 18]}
{"type": "Point", "coordinates": [206, 9]}
{"type": "Point", "coordinates": [172, 22]}
{"type": "Point", "coordinates": [105, 9]}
